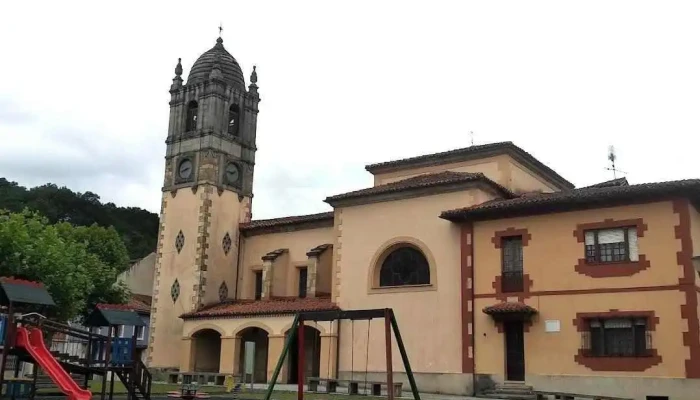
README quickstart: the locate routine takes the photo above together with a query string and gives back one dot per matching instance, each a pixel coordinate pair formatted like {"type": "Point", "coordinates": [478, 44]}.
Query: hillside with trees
{"type": "Point", "coordinates": [138, 228]}
{"type": "Point", "coordinates": [78, 264]}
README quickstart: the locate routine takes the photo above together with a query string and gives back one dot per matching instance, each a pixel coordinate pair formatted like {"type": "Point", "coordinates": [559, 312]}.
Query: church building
{"type": "Point", "coordinates": [496, 267]}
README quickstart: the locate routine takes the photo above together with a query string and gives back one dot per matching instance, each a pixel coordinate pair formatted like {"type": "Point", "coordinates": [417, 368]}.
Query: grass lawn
{"type": "Point", "coordinates": [164, 388]}
{"type": "Point", "coordinates": [156, 388]}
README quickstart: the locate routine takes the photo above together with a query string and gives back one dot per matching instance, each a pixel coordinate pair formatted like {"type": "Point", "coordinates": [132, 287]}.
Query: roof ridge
{"type": "Point", "coordinates": [420, 181]}
{"type": "Point", "coordinates": [557, 201]}
{"type": "Point", "coordinates": [475, 150]}
{"type": "Point", "coordinates": [368, 167]}
{"type": "Point", "coordinates": [290, 216]}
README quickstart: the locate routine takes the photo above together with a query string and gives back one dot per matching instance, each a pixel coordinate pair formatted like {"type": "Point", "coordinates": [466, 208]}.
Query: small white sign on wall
{"type": "Point", "coordinates": [552, 325]}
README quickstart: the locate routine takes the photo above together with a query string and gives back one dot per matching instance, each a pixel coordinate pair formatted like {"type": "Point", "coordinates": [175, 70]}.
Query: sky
{"type": "Point", "coordinates": [84, 88]}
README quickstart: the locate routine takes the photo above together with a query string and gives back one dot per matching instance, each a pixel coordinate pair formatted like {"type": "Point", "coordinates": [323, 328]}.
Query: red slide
{"type": "Point", "coordinates": [33, 342]}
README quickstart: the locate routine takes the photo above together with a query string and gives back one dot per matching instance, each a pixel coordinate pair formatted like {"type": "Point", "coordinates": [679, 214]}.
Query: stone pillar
{"type": "Point", "coordinates": [228, 361]}
{"type": "Point", "coordinates": [275, 345]}
{"type": "Point", "coordinates": [328, 355]}
{"type": "Point", "coordinates": [188, 355]}
{"type": "Point", "coordinates": [312, 271]}
{"type": "Point", "coordinates": [267, 279]}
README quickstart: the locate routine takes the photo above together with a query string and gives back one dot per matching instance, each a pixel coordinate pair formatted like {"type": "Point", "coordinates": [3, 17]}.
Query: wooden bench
{"type": "Point", "coordinates": [377, 388]}
{"type": "Point", "coordinates": [542, 395]}
{"type": "Point", "coordinates": [353, 386]}
{"type": "Point", "coordinates": [331, 384]}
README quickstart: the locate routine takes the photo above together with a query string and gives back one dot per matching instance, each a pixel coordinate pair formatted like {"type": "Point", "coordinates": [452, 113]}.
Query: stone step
{"type": "Point", "coordinates": [510, 384]}
{"type": "Point", "coordinates": [512, 388]}
{"type": "Point", "coordinates": [508, 396]}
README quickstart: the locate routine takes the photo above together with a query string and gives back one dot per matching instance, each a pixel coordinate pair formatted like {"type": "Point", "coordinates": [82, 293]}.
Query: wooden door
{"type": "Point", "coordinates": [515, 351]}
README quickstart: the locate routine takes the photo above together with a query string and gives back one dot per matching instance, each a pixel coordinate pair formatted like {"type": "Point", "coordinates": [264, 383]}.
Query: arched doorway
{"type": "Point", "coordinates": [260, 338]}
{"type": "Point", "coordinates": [312, 354]}
{"type": "Point", "coordinates": [207, 350]}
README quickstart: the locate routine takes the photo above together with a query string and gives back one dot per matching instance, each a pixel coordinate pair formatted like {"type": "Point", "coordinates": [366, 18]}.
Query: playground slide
{"type": "Point", "coordinates": [33, 342]}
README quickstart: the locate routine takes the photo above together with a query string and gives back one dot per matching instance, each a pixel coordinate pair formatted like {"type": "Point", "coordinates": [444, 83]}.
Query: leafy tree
{"type": "Point", "coordinates": [78, 265]}
{"type": "Point", "coordinates": [138, 228]}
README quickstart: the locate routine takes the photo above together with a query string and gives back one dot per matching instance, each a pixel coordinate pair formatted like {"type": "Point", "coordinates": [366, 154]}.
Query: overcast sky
{"type": "Point", "coordinates": [84, 88]}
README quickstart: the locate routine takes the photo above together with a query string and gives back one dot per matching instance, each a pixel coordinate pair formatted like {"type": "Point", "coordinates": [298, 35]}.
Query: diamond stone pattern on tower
{"type": "Point", "coordinates": [223, 291]}
{"type": "Point", "coordinates": [175, 290]}
{"type": "Point", "coordinates": [226, 243]}
{"type": "Point", "coordinates": [179, 241]}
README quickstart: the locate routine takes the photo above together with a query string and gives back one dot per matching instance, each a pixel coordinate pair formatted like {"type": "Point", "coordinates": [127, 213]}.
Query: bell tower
{"type": "Point", "coordinates": [207, 192]}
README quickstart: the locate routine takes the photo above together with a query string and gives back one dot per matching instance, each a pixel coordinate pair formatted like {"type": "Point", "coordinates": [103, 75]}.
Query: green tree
{"type": "Point", "coordinates": [137, 228]}
{"type": "Point", "coordinates": [78, 265]}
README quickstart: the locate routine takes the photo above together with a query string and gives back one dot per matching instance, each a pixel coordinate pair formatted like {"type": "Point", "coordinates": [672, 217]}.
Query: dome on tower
{"type": "Point", "coordinates": [205, 63]}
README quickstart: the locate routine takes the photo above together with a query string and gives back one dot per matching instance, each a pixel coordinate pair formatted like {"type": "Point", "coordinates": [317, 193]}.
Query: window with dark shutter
{"type": "Point", "coordinates": [302, 282]}
{"type": "Point", "coordinates": [512, 264]}
{"type": "Point", "coordinates": [617, 337]}
{"type": "Point", "coordinates": [258, 285]}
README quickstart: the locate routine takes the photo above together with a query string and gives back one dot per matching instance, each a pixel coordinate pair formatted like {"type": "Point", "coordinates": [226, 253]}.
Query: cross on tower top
{"type": "Point", "coordinates": [220, 29]}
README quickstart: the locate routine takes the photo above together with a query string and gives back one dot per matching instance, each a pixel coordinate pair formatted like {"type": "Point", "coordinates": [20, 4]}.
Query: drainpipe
{"type": "Point", "coordinates": [238, 265]}
{"type": "Point", "coordinates": [474, 380]}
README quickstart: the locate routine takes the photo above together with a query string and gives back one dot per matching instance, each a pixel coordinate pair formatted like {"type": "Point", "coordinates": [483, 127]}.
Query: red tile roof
{"type": "Point", "coordinates": [318, 250]}
{"type": "Point", "coordinates": [472, 152]}
{"type": "Point", "coordinates": [588, 197]}
{"type": "Point", "coordinates": [272, 256]}
{"type": "Point", "coordinates": [17, 281]}
{"type": "Point", "coordinates": [612, 182]}
{"type": "Point", "coordinates": [509, 307]}
{"type": "Point", "coordinates": [122, 307]}
{"type": "Point", "coordinates": [419, 182]}
{"type": "Point", "coordinates": [140, 303]}
{"type": "Point", "coordinates": [293, 221]}
{"type": "Point", "coordinates": [274, 306]}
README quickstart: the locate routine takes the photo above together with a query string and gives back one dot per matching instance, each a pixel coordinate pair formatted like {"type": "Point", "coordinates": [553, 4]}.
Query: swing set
{"type": "Point", "coordinates": [390, 324]}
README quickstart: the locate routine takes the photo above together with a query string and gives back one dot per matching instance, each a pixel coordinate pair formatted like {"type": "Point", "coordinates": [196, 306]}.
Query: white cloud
{"type": "Point", "coordinates": [84, 88]}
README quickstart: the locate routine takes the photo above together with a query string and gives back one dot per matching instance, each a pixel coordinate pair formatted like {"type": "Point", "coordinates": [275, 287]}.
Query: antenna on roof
{"type": "Point", "coordinates": [471, 137]}
{"type": "Point", "coordinates": [612, 157]}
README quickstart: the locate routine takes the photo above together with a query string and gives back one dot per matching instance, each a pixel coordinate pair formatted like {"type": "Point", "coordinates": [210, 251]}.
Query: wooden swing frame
{"type": "Point", "coordinates": [297, 330]}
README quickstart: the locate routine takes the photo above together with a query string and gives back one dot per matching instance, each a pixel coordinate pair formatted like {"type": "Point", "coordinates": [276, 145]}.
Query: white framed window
{"type": "Point", "coordinates": [611, 245]}
{"type": "Point", "coordinates": [142, 332]}
{"type": "Point", "coordinates": [120, 331]}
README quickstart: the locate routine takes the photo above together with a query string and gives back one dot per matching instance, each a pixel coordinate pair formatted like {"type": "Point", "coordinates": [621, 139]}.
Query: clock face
{"type": "Point", "coordinates": [232, 173]}
{"type": "Point", "coordinates": [185, 170]}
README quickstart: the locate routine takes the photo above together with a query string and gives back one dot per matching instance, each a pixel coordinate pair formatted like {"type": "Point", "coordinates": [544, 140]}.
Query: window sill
{"type": "Point", "coordinates": [612, 269]}
{"type": "Point", "coordinates": [402, 289]}
{"type": "Point", "coordinates": [630, 364]}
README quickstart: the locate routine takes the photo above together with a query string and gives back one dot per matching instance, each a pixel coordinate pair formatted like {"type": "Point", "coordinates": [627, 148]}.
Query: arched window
{"type": "Point", "coordinates": [233, 117]}
{"type": "Point", "coordinates": [404, 266]}
{"type": "Point", "coordinates": [191, 123]}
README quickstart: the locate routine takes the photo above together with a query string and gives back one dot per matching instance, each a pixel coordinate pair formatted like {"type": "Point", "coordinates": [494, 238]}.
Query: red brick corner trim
{"type": "Point", "coordinates": [691, 338]}
{"type": "Point", "coordinates": [467, 296]}
{"type": "Point", "coordinates": [614, 269]}
{"type": "Point", "coordinates": [630, 364]}
{"type": "Point", "coordinates": [498, 236]}
{"type": "Point", "coordinates": [608, 223]}
{"type": "Point", "coordinates": [503, 296]}
{"type": "Point", "coordinates": [581, 325]}
{"type": "Point", "coordinates": [497, 240]}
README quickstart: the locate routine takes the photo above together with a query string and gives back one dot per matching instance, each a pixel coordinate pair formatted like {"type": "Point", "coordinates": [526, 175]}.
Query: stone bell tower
{"type": "Point", "coordinates": [207, 192]}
